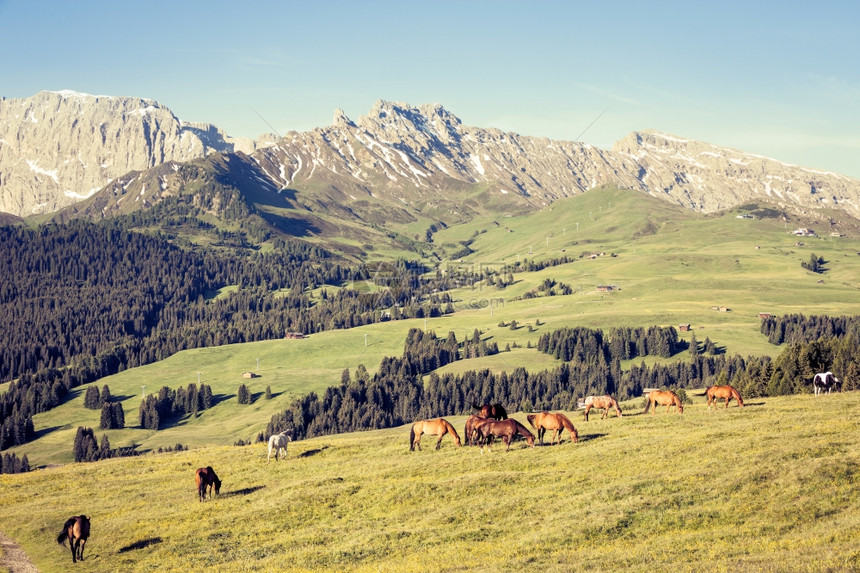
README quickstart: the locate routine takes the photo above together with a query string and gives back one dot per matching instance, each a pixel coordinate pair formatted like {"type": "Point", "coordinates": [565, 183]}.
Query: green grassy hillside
{"type": "Point", "coordinates": [671, 266]}
{"type": "Point", "coordinates": [770, 487]}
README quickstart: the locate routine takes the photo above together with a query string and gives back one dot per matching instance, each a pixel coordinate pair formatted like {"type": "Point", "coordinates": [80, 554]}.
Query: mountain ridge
{"type": "Point", "coordinates": [419, 158]}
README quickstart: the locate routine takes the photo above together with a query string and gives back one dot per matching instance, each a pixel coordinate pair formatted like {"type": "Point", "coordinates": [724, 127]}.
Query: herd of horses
{"type": "Point", "coordinates": [489, 422]}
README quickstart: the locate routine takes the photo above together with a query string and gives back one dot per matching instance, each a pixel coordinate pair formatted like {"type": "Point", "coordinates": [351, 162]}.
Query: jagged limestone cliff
{"type": "Point", "coordinates": [56, 148]}
{"type": "Point", "coordinates": [59, 147]}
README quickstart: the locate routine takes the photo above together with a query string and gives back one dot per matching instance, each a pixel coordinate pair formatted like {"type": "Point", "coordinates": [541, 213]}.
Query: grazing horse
{"type": "Point", "coordinates": [76, 530]}
{"type": "Point", "coordinates": [438, 427]}
{"type": "Point", "coordinates": [494, 411]}
{"type": "Point", "coordinates": [824, 381]}
{"type": "Point", "coordinates": [728, 392]}
{"type": "Point", "coordinates": [279, 442]}
{"type": "Point", "coordinates": [206, 479]}
{"type": "Point", "coordinates": [557, 422]}
{"type": "Point", "coordinates": [663, 398]}
{"type": "Point", "coordinates": [602, 402]}
{"type": "Point", "coordinates": [489, 429]}
{"type": "Point", "coordinates": [470, 432]}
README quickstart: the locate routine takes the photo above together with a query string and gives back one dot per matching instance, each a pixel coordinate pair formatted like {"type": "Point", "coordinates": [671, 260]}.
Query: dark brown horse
{"type": "Point", "coordinates": [489, 429]}
{"type": "Point", "coordinates": [470, 433]}
{"type": "Point", "coordinates": [727, 392]}
{"type": "Point", "coordinates": [557, 422]}
{"type": "Point", "coordinates": [663, 398]}
{"type": "Point", "coordinates": [77, 531]}
{"type": "Point", "coordinates": [206, 478]}
{"type": "Point", "coordinates": [438, 427]}
{"type": "Point", "coordinates": [494, 411]}
{"type": "Point", "coordinates": [603, 403]}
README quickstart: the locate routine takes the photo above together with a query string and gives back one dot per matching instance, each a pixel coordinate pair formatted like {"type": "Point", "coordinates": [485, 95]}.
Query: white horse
{"type": "Point", "coordinates": [824, 381]}
{"type": "Point", "coordinates": [278, 442]}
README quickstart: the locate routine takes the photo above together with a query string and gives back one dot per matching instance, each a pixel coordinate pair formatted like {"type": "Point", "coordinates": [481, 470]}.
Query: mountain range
{"type": "Point", "coordinates": [399, 164]}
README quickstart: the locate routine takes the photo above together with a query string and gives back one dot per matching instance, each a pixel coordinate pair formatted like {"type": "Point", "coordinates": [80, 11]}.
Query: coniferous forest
{"type": "Point", "coordinates": [399, 392]}
{"type": "Point", "coordinates": [85, 300]}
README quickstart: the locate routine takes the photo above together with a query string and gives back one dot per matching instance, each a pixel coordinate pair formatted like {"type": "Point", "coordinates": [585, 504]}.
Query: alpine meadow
{"type": "Point", "coordinates": [341, 284]}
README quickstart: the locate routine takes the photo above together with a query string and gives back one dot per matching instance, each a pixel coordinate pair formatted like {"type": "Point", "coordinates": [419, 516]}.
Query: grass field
{"type": "Point", "coordinates": [672, 266]}
{"type": "Point", "coordinates": [774, 486]}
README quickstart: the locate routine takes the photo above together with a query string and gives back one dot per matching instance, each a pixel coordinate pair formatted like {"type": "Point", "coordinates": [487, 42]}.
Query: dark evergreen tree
{"type": "Point", "coordinates": [91, 398]}
{"type": "Point", "coordinates": [244, 394]}
{"type": "Point", "coordinates": [105, 396]}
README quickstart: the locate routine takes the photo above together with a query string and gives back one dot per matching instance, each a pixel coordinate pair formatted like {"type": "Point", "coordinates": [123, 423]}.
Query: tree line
{"type": "Point", "coordinates": [400, 392]}
{"type": "Point", "coordinates": [88, 449]}
{"type": "Point", "coordinates": [167, 403]}
{"type": "Point", "coordinates": [83, 301]}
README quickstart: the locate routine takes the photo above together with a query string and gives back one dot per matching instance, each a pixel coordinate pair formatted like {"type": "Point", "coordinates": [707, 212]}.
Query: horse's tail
{"type": "Point", "coordinates": [475, 406]}
{"type": "Point", "coordinates": [412, 438]}
{"type": "Point", "coordinates": [453, 431]}
{"type": "Point", "coordinates": [64, 534]}
{"type": "Point", "coordinates": [647, 403]}
{"type": "Point", "coordinates": [531, 419]}
{"type": "Point", "coordinates": [706, 392]}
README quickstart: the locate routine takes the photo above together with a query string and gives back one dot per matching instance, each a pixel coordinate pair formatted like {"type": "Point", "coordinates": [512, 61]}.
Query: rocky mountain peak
{"type": "Point", "coordinates": [59, 147]}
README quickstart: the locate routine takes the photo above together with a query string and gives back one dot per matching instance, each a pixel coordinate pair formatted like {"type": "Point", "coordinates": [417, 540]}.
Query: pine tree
{"type": "Point", "coordinates": [244, 394]}
{"type": "Point", "coordinates": [91, 398]}
{"type": "Point", "coordinates": [106, 422]}
{"type": "Point", "coordinates": [105, 396]}
{"type": "Point", "coordinates": [104, 449]}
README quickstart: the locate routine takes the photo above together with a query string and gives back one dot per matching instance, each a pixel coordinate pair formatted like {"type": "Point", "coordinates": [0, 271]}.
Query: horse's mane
{"type": "Point", "coordinates": [566, 422]}
{"type": "Point", "coordinates": [521, 428]}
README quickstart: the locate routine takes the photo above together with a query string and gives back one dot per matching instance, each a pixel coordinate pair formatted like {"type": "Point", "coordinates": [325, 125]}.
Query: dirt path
{"type": "Point", "coordinates": [13, 557]}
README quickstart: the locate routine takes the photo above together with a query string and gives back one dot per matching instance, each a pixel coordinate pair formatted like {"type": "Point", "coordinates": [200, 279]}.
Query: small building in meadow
{"type": "Point", "coordinates": [684, 327]}
{"type": "Point", "coordinates": [250, 374]}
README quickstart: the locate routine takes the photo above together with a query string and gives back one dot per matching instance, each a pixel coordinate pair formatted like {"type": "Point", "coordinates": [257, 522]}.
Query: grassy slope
{"type": "Point", "coordinates": [770, 487]}
{"type": "Point", "coordinates": [678, 266]}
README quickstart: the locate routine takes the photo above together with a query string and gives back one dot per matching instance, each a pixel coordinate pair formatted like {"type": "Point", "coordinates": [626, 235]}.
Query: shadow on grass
{"type": "Point", "coordinates": [45, 431]}
{"type": "Point", "coordinates": [244, 491]}
{"type": "Point", "coordinates": [142, 544]}
{"type": "Point", "coordinates": [313, 452]}
{"type": "Point", "coordinates": [590, 437]}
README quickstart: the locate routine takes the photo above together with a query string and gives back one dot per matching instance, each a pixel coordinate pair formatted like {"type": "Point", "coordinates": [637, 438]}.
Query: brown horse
{"type": "Point", "coordinates": [206, 478]}
{"type": "Point", "coordinates": [489, 429]}
{"type": "Point", "coordinates": [663, 398]}
{"type": "Point", "coordinates": [470, 433]}
{"type": "Point", "coordinates": [438, 427]}
{"type": "Point", "coordinates": [727, 392]}
{"type": "Point", "coordinates": [494, 411]}
{"type": "Point", "coordinates": [77, 531]}
{"type": "Point", "coordinates": [602, 402]}
{"type": "Point", "coordinates": [557, 422]}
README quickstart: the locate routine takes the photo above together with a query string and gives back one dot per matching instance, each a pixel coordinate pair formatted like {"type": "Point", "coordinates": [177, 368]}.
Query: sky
{"type": "Point", "coordinates": [780, 79]}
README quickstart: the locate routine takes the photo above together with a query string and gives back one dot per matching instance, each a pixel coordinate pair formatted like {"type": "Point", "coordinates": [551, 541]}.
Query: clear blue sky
{"type": "Point", "coordinates": [780, 79]}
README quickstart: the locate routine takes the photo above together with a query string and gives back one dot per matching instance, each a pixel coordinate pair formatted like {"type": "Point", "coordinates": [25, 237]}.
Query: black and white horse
{"type": "Point", "coordinates": [279, 442]}
{"type": "Point", "coordinates": [824, 381]}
